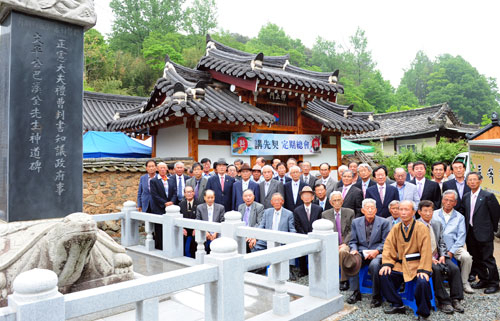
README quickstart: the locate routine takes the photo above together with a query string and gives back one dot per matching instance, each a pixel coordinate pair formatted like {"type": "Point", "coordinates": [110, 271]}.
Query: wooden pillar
{"type": "Point", "coordinates": [395, 145]}
{"type": "Point", "coordinates": [154, 134]}
{"type": "Point", "coordinates": [192, 140]}
{"type": "Point", "coordinates": [339, 152]}
{"type": "Point", "coordinates": [253, 159]}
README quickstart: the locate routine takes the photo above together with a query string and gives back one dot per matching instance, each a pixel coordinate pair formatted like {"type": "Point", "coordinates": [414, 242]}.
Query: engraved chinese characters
{"type": "Point", "coordinates": [35, 113]}
{"type": "Point", "coordinates": [60, 139]}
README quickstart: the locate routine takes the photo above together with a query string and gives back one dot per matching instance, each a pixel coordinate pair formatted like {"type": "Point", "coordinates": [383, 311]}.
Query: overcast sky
{"type": "Point", "coordinates": [395, 30]}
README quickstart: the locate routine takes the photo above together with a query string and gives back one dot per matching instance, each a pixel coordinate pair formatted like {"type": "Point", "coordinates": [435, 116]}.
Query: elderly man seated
{"type": "Point", "coordinates": [341, 218]}
{"type": "Point", "coordinates": [368, 235]}
{"type": "Point", "coordinates": [453, 224]}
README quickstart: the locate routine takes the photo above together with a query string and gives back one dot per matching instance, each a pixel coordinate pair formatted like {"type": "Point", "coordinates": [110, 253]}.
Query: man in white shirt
{"type": "Point", "coordinates": [306, 176]}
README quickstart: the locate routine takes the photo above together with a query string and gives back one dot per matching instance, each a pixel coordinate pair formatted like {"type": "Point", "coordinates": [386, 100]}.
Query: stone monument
{"type": "Point", "coordinates": [41, 92]}
{"type": "Point", "coordinates": [81, 255]}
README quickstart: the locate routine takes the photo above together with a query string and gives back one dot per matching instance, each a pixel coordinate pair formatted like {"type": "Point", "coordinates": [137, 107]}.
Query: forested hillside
{"type": "Point", "coordinates": [131, 59]}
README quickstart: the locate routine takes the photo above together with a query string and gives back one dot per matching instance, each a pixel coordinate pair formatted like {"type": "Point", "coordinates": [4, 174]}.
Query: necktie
{"type": "Point", "coordinates": [245, 217]}
{"type": "Point", "coordinates": [189, 206]}
{"type": "Point", "coordinates": [196, 189]}
{"type": "Point", "coordinates": [381, 192]}
{"type": "Point", "coordinates": [276, 221]}
{"type": "Point", "coordinates": [339, 226]}
{"type": "Point", "coordinates": [295, 194]}
{"type": "Point", "coordinates": [282, 180]}
{"type": "Point", "coordinates": [472, 206]}
{"type": "Point", "coordinates": [344, 192]}
{"type": "Point", "coordinates": [364, 189]}
{"type": "Point", "coordinates": [322, 204]}
{"type": "Point", "coordinates": [179, 188]}
{"type": "Point", "coordinates": [210, 214]}
{"type": "Point", "coordinates": [420, 189]}
{"type": "Point", "coordinates": [266, 189]}
{"type": "Point", "coordinates": [306, 180]}
{"type": "Point", "coordinates": [308, 212]}
{"type": "Point", "coordinates": [222, 183]}
{"type": "Point", "coordinates": [433, 242]}
{"type": "Point", "coordinates": [149, 183]}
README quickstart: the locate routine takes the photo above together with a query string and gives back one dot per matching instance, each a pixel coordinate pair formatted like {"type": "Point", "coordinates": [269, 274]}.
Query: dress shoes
{"type": "Point", "coordinates": [468, 289]}
{"type": "Point", "coordinates": [420, 317]}
{"type": "Point", "coordinates": [472, 278]}
{"type": "Point", "coordinates": [375, 303]}
{"type": "Point", "coordinates": [344, 286]}
{"type": "Point", "coordinates": [480, 285]}
{"type": "Point", "coordinates": [355, 297]}
{"type": "Point", "coordinates": [446, 308]}
{"type": "Point", "coordinates": [457, 306]}
{"type": "Point", "coordinates": [394, 310]}
{"type": "Point", "coordinates": [492, 289]}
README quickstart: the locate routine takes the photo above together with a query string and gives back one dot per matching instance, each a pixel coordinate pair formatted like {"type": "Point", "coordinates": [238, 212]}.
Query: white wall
{"type": "Point", "coordinates": [328, 155]}
{"type": "Point", "coordinates": [214, 152]}
{"type": "Point", "coordinates": [172, 142]}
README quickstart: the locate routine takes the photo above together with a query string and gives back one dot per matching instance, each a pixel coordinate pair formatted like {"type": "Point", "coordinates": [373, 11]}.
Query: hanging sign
{"type": "Point", "coordinates": [274, 144]}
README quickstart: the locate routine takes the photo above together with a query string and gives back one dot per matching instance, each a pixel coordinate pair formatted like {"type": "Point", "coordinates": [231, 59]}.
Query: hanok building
{"type": "Point", "coordinates": [414, 128]}
{"type": "Point", "coordinates": [233, 94]}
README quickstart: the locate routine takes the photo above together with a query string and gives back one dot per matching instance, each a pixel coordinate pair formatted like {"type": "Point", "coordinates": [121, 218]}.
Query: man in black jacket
{"type": "Point", "coordinates": [427, 189]}
{"type": "Point", "coordinates": [482, 213]}
{"type": "Point", "coordinates": [188, 209]}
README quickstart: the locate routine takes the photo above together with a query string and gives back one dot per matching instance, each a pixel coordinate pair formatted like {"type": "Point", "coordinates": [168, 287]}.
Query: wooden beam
{"type": "Point", "coordinates": [326, 94]}
{"type": "Point", "coordinates": [153, 143]}
{"type": "Point", "coordinates": [339, 153]}
{"type": "Point", "coordinates": [192, 140]}
{"type": "Point", "coordinates": [214, 142]}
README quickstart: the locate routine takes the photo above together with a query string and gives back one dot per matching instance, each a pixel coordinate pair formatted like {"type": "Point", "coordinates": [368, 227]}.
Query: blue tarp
{"type": "Point", "coordinates": [110, 144]}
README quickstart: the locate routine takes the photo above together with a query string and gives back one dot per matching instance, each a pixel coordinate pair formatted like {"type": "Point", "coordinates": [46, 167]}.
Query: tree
{"type": "Point", "coordinates": [201, 17]}
{"type": "Point", "coordinates": [358, 59]}
{"type": "Point", "coordinates": [135, 19]}
{"type": "Point", "coordinates": [325, 56]}
{"type": "Point", "coordinates": [416, 78]}
{"type": "Point", "coordinates": [404, 99]}
{"type": "Point", "coordinates": [98, 58]}
{"type": "Point", "coordinates": [157, 45]}
{"type": "Point", "coordinates": [378, 92]}
{"type": "Point", "coordinates": [467, 92]}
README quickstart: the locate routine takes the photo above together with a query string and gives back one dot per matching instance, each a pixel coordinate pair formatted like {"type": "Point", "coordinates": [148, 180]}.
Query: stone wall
{"type": "Point", "coordinates": [108, 182]}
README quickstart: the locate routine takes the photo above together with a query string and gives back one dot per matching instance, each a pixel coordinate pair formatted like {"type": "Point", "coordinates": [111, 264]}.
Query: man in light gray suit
{"type": "Point", "coordinates": [269, 186]}
{"type": "Point", "coordinates": [276, 218]}
{"type": "Point", "coordinates": [407, 191]}
{"type": "Point", "coordinates": [251, 214]}
{"type": "Point", "coordinates": [198, 180]}
{"type": "Point", "coordinates": [306, 176]}
{"type": "Point", "coordinates": [326, 178]}
{"type": "Point", "coordinates": [211, 212]}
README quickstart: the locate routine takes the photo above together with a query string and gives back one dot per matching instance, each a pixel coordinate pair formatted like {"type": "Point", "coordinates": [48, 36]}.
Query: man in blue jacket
{"type": "Point", "coordinates": [382, 192]}
{"type": "Point", "coordinates": [222, 185]}
{"type": "Point", "coordinates": [144, 192]}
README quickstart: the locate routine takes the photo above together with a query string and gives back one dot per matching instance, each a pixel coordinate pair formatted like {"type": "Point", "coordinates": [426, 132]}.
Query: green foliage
{"type": "Point", "coordinates": [98, 58]}
{"type": "Point", "coordinates": [157, 45]}
{"type": "Point", "coordinates": [444, 151]}
{"type": "Point", "coordinates": [416, 78]}
{"type": "Point", "coordinates": [485, 120]}
{"type": "Point", "coordinates": [201, 17]}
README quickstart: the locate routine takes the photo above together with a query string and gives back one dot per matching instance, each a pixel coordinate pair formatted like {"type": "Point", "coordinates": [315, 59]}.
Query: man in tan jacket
{"type": "Point", "coordinates": [407, 256]}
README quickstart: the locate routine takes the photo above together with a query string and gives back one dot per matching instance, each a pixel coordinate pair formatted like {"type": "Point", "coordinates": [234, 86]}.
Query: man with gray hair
{"type": "Point", "coordinates": [406, 190]}
{"type": "Point", "coordinates": [454, 233]}
{"type": "Point", "coordinates": [341, 170]}
{"type": "Point", "coordinates": [180, 180]}
{"type": "Point", "coordinates": [341, 217]}
{"type": "Point", "coordinates": [368, 235]}
{"type": "Point", "coordinates": [365, 173]}
{"type": "Point", "coordinates": [394, 210]}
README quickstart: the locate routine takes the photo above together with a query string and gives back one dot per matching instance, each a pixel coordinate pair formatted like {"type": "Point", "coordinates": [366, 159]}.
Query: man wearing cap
{"type": "Point", "coordinates": [257, 174]}
{"type": "Point", "coordinates": [269, 186]}
{"type": "Point", "coordinates": [242, 185]}
{"type": "Point", "coordinates": [222, 185]}
{"type": "Point", "coordinates": [341, 217]}
{"type": "Point", "coordinates": [407, 256]}
{"type": "Point", "coordinates": [368, 235]}
{"type": "Point", "coordinates": [292, 189]}
{"type": "Point", "coordinates": [198, 182]}
{"type": "Point", "coordinates": [304, 216]}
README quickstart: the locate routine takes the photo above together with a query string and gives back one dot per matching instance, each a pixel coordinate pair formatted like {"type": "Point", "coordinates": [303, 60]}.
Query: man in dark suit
{"type": "Point", "coordinates": [447, 303]}
{"type": "Point", "coordinates": [427, 189]}
{"type": "Point", "coordinates": [144, 194]}
{"type": "Point", "coordinates": [368, 235]}
{"type": "Point", "coordinates": [304, 216]}
{"type": "Point", "coordinates": [292, 189]}
{"type": "Point", "coordinates": [321, 196]}
{"type": "Point", "coordinates": [222, 185]}
{"type": "Point", "coordinates": [482, 213]}
{"type": "Point", "coordinates": [163, 194]}
{"type": "Point", "coordinates": [353, 167]}
{"type": "Point", "coordinates": [210, 212]}
{"type": "Point", "coordinates": [306, 176]}
{"type": "Point", "coordinates": [365, 181]}
{"type": "Point", "coordinates": [458, 184]}
{"type": "Point", "coordinates": [188, 210]}
{"type": "Point", "coordinates": [251, 214]}
{"type": "Point", "coordinates": [382, 192]}
{"type": "Point", "coordinates": [341, 217]}
{"type": "Point", "coordinates": [281, 169]}
{"type": "Point", "coordinates": [410, 175]}
{"type": "Point", "coordinates": [242, 185]}
{"type": "Point", "coordinates": [351, 194]}
{"type": "Point", "coordinates": [198, 182]}
{"type": "Point", "coordinates": [269, 186]}
{"type": "Point", "coordinates": [326, 179]}
{"type": "Point", "coordinates": [180, 179]}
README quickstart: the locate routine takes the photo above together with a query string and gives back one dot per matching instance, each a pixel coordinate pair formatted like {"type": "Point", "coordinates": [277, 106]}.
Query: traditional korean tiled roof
{"type": "Point", "coordinates": [99, 108]}
{"type": "Point", "coordinates": [340, 118]}
{"type": "Point", "coordinates": [215, 103]}
{"type": "Point", "coordinates": [494, 123]}
{"type": "Point", "coordinates": [133, 165]}
{"type": "Point", "coordinates": [414, 122]}
{"type": "Point", "coordinates": [236, 63]}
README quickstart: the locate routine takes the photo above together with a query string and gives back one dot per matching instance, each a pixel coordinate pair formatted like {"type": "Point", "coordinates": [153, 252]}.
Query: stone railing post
{"type": "Point", "coordinates": [200, 238]}
{"type": "Point", "coordinates": [173, 240]}
{"type": "Point", "coordinates": [130, 227]}
{"type": "Point", "coordinates": [232, 220]}
{"type": "Point", "coordinates": [281, 299]}
{"type": "Point", "coordinates": [36, 297]}
{"type": "Point", "coordinates": [224, 298]}
{"type": "Point", "coordinates": [149, 243]}
{"type": "Point", "coordinates": [324, 265]}
{"type": "Point", "coordinates": [147, 310]}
